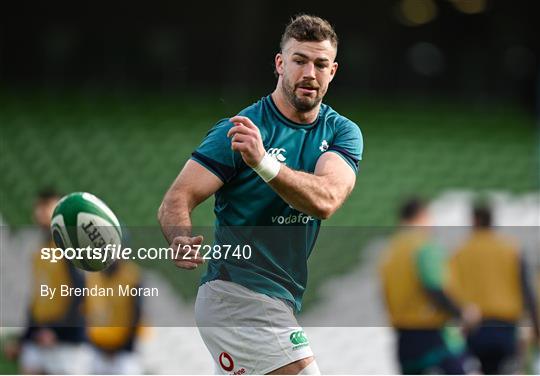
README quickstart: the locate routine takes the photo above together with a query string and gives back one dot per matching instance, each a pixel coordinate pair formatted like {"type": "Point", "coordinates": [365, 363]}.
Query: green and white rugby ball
{"type": "Point", "coordinates": [81, 221]}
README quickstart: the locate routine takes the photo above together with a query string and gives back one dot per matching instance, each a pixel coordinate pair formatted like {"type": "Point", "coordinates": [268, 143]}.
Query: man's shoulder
{"type": "Point", "coordinates": [335, 119]}
{"type": "Point", "coordinates": [255, 111]}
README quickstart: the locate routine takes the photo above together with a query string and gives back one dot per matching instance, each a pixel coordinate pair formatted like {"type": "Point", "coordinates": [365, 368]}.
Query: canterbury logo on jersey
{"type": "Point", "coordinates": [277, 153]}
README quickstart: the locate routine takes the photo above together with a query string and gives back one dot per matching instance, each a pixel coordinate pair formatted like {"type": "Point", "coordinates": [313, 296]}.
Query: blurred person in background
{"type": "Point", "coordinates": [531, 345]}
{"type": "Point", "coordinates": [416, 286]}
{"type": "Point", "coordinates": [536, 347]}
{"type": "Point", "coordinates": [55, 338]}
{"type": "Point", "coordinates": [491, 273]}
{"type": "Point", "coordinates": [114, 321]}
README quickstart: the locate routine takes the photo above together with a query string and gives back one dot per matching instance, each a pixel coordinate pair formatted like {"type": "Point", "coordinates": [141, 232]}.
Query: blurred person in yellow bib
{"type": "Point", "coordinates": [491, 273]}
{"type": "Point", "coordinates": [416, 290]}
{"type": "Point", "coordinates": [114, 321]}
{"type": "Point", "coordinates": [54, 341]}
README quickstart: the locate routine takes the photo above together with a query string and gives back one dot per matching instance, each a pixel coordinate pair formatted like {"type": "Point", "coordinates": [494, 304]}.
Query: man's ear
{"type": "Point", "coordinates": [333, 70]}
{"type": "Point", "coordinates": [278, 60]}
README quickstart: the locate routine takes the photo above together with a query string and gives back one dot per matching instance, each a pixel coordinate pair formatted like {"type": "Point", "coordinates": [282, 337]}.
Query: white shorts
{"type": "Point", "coordinates": [62, 358]}
{"type": "Point", "coordinates": [121, 363]}
{"type": "Point", "coordinates": [247, 332]}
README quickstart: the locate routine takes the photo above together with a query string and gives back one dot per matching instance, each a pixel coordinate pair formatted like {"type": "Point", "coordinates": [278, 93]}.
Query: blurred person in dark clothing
{"type": "Point", "coordinates": [55, 338]}
{"type": "Point", "coordinates": [491, 273]}
{"type": "Point", "coordinates": [114, 321]}
{"type": "Point", "coordinates": [416, 289]}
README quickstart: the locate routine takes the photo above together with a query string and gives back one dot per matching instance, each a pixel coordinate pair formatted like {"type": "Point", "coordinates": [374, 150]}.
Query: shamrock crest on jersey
{"type": "Point", "coordinates": [324, 146]}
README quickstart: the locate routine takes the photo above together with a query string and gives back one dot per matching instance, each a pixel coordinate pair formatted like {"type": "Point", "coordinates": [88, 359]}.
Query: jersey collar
{"type": "Point", "coordinates": [291, 123]}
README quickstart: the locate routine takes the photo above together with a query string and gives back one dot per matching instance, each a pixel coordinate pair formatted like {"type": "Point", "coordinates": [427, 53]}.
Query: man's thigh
{"type": "Point", "coordinates": [247, 332]}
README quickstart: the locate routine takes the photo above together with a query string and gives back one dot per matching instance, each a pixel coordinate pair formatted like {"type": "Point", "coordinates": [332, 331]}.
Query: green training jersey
{"type": "Point", "coordinates": [249, 212]}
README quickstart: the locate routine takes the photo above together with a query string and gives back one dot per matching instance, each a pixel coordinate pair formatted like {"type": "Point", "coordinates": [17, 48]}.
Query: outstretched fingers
{"type": "Point", "coordinates": [245, 121]}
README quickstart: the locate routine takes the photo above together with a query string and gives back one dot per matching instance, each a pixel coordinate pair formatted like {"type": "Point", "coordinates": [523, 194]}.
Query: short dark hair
{"type": "Point", "coordinates": [411, 208]}
{"type": "Point", "coordinates": [482, 216]}
{"type": "Point", "coordinates": [47, 193]}
{"type": "Point", "coordinates": [307, 28]}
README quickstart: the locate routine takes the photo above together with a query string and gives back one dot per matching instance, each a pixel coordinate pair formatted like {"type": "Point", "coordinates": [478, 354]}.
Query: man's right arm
{"type": "Point", "coordinates": [191, 187]}
{"type": "Point", "coordinates": [433, 276]}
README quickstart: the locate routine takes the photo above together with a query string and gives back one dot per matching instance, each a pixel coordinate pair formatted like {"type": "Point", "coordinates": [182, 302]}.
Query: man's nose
{"type": "Point", "coordinates": [309, 71]}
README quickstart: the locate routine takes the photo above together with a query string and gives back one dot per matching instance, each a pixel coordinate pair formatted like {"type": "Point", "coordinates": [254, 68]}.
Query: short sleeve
{"type": "Point", "coordinates": [215, 153]}
{"type": "Point", "coordinates": [348, 144]}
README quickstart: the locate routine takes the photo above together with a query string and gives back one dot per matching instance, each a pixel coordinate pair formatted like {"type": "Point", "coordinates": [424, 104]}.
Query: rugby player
{"type": "Point", "coordinates": [492, 273]}
{"type": "Point", "coordinates": [54, 341]}
{"type": "Point", "coordinates": [277, 169]}
{"type": "Point", "coordinates": [417, 288]}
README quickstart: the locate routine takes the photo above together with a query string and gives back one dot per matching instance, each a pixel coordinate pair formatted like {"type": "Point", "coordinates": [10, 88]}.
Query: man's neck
{"type": "Point", "coordinates": [288, 110]}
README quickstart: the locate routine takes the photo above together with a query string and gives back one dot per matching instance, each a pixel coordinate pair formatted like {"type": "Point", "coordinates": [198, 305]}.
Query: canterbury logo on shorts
{"type": "Point", "coordinates": [298, 339]}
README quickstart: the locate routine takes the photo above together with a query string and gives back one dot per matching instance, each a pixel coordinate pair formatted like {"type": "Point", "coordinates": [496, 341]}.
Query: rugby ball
{"type": "Point", "coordinates": [82, 221]}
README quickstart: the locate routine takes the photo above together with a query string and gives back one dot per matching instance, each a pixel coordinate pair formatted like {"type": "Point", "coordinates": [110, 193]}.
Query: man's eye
{"type": "Point", "coordinates": [299, 62]}
{"type": "Point", "coordinates": [321, 66]}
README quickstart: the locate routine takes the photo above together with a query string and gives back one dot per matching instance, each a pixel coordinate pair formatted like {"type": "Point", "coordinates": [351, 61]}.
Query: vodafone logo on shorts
{"type": "Point", "coordinates": [226, 362]}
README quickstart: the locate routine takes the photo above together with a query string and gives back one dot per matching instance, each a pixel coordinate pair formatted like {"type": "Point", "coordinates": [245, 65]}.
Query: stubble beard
{"type": "Point", "coordinates": [301, 104]}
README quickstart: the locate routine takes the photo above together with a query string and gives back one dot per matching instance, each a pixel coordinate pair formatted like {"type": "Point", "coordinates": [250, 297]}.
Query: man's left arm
{"type": "Point", "coordinates": [319, 194]}
{"type": "Point", "coordinates": [432, 272]}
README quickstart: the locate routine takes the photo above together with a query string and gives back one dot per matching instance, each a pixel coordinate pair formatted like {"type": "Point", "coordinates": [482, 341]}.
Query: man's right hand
{"type": "Point", "coordinates": [471, 317]}
{"type": "Point", "coordinates": [186, 255]}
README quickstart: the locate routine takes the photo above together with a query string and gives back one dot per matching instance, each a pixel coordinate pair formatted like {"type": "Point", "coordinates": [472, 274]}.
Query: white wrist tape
{"type": "Point", "coordinates": [268, 168]}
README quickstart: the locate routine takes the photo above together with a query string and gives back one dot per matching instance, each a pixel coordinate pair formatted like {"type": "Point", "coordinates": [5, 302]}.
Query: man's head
{"type": "Point", "coordinates": [44, 205]}
{"type": "Point", "coordinates": [413, 212]}
{"type": "Point", "coordinates": [481, 216]}
{"type": "Point", "coordinates": [306, 63]}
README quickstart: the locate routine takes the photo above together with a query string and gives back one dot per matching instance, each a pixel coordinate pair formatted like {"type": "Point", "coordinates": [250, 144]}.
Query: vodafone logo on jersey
{"type": "Point", "coordinates": [277, 153]}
